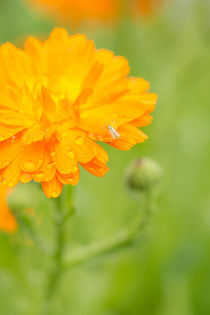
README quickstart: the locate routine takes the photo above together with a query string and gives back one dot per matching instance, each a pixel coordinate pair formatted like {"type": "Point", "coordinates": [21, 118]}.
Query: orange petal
{"type": "Point", "coordinates": [64, 157]}
{"type": "Point", "coordinates": [33, 134]}
{"type": "Point", "coordinates": [149, 100]}
{"type": "Point", "coordinates": [71, 179]}
{"type": "Point", "coordinates": [96, 168]}
{"type": "Point", "coordinates": [138, 85]}
{"type": "Point", "coordinates": [100, 153]}
{"type": "Point", "coordinates": [32, 157]}
{"type": "Point", "coordinates": [9, 150]}
{"type": "Point", "coordinates": [7, 131]}
{"type": "Point", "coordinates": [10, 175]}
{"type": "Point", "coordinates": [53, 188]}
{"type": "Point", "coordinates": [122, 111]}
{"type": "Point", "coordinates": [81, 145]}
{"type": "Point", "coordinates": [142, 121]}
{"type": "Point", "coordinates": [58, 34]}
{"type": "Point", "coordinates": [46, 172]}
{"type": "Point", "coordinates": [14, 118]}
{"type": "Point", "coordinates": [129, 136]}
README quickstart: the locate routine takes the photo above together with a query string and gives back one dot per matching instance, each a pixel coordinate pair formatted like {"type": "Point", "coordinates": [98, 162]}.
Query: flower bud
{"type": "Point", "coordinates": [143, 174]}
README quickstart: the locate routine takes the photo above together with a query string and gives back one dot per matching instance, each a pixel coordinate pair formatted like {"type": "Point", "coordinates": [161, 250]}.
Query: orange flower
{"type": "Point", "coordinates": [147, 7]}
{"type": "Point", "coordinates": [78, 10]}
{"type": "Point", "coordinates": [57, 98]}
{"type": "Point", "coordinates": [7, 220]}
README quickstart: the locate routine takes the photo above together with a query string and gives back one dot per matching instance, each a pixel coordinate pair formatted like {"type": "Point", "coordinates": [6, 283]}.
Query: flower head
{"type": "Point", "coordinates": [57, 98]}
{"type": "Point", "coordinates": [7, 220]}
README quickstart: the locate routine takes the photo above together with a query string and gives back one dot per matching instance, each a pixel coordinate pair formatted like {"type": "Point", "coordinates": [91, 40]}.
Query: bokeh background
{"type": "Point", "coordinates": [169, 273]}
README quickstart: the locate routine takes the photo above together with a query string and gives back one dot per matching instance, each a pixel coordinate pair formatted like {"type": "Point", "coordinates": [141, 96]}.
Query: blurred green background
{"type": "Point", "coordinates": [169, 274]}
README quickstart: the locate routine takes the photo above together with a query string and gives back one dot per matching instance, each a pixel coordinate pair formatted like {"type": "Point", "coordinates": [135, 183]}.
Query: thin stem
{"type": "Point", "coordinates": [124, 237]}
{"type": "Point", "coordinates": [63, 209]}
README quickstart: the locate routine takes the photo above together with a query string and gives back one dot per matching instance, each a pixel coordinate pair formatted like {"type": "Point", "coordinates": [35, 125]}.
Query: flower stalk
{"type": "Point", "coordinates": [123, 238]}
{"type": "Point", "coordinates": [63, 209]}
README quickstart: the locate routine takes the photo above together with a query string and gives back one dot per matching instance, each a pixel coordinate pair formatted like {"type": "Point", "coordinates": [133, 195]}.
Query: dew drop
{"type": "Point", "coordinates": [40, 175]}
{"type": "Point", "coordinates": [50, 165]}
{"type": "Point", "coordinates": [79, 140]}
{"type": "Point", "coordinates": [55, 194]}
{"type": "Point", "coordinates": [75, 169]}
{"type": "Point", "coordinates": [25, 178]}
{"type": "Point", "coordinates": [29, 165]}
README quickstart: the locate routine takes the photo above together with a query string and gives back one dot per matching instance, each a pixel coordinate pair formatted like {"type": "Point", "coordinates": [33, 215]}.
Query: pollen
{"type": "Point", "coordinates": [59, 100]}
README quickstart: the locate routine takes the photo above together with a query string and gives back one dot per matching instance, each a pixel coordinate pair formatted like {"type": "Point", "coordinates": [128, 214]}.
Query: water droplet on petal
{"type": "Point", "coordinates": [40, 175]}
{"type": "Point", "coordinates": [25, 178]}
{"type": "Point", "coordinates": [75, 169]}
{"type": "Point", "coordinates": [79, 140]}
{"type": "Point", "coordinates": [29, 165]}
{"type": "Point", "coordinates": [50, 165]}
{"type": "Point", "coordinates": [54, 194]}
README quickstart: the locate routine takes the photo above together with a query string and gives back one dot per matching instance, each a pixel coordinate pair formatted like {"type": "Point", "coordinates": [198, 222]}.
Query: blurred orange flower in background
{"type": "Point", "coordinates": [58, 98]}
{"type": "Point", "coordinates": [7, 220]}
{"type": "Point", "coordinates": [147, 7]}
{"type": "Point", "coordinates": [78, 10]}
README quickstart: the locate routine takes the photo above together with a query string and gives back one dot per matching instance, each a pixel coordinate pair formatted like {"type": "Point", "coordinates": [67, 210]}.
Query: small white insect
{"type": "Point", "coordinates": [113, 132]}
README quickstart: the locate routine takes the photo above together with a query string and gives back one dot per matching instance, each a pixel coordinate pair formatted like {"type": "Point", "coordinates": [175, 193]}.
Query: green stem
{"type": "Point", "coordinates": [63, 208]}
{"type": "Point", "coordinates": [124, 237]}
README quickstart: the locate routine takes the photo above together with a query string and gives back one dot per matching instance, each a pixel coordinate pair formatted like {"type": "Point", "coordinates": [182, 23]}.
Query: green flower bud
{"type": "Point", "coordinates": [143, 174]}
